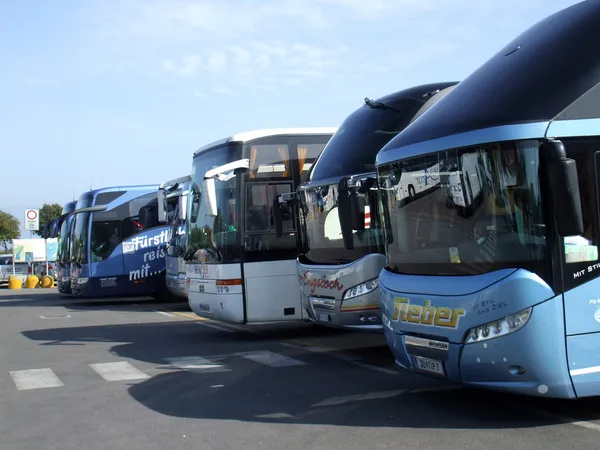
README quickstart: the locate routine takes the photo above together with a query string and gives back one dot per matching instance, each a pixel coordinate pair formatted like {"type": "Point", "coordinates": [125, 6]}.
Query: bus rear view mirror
{"type": "Point", "coordinates": [210, 195]}
{"type": "Point", "coordinates": [182, 205]}
{"type": "Point", "coordinates": [564, 187]}
{"type": "Point", "coordinates": [345, 213]}
{"type": "Point", "coordinates": [162, 205]}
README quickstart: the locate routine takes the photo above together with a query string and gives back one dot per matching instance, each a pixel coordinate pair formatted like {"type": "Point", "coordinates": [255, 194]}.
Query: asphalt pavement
{"type": "Point", "coordinates": [137, 373]}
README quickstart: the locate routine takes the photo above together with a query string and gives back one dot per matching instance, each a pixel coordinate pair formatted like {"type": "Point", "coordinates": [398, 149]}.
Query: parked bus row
{"type": "Point", "coordinates": [458, 218]}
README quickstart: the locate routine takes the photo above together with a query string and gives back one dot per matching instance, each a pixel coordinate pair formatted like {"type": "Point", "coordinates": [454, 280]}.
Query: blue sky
{"type": "Point", "coordinates": [109, 92]}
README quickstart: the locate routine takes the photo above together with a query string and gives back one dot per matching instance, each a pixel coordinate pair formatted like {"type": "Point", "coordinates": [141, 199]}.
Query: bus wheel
{"type": "Point", "coordinates": [411, 192]}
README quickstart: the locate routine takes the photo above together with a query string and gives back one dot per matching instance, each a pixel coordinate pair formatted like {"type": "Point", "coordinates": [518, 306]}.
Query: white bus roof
{"type": "Point", "coordinates": [256, 134]}
{"type": "Point", "coordinates": [176, 180]}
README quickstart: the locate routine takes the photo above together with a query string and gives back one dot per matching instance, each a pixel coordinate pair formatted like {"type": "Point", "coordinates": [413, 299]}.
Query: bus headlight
{"type": "Point", "coordinates": [497, 328]}
{"type": "Point", "coordinates": [82, 280]}
{"type": "Point", "coordinates": [362, 289]}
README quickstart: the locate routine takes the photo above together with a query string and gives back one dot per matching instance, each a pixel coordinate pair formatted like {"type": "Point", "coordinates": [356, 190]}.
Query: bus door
{"type": "Point", "coordinates": [581, 274]}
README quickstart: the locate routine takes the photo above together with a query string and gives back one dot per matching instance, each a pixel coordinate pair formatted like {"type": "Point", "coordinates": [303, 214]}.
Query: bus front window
{"type": "Point", "coordinates": [469, 211]}
{"type": "Point", "coordinates": [213, 238]}
{"type": "Point", "coordinates": [79, 249]}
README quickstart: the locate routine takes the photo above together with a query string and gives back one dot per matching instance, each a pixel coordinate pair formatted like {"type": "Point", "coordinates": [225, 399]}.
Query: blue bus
{"type": "Point", "coordinates": [176, 190]}
{"type": "Point", "coordinates": [492, 278]}
{"type": "Point", "coordinates": [63, 227]}
{"type": "Point", "coordinates": [340, 258]}
{"type": "Point", "coordinates": [118, 244]}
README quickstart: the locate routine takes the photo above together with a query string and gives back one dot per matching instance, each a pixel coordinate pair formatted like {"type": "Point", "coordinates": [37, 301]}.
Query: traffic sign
{"type": "Point", "coordinates": [32, 219]}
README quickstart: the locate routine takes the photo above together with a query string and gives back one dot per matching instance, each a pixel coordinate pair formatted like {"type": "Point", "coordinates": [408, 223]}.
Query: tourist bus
{"type": "Point", "coordinates": [117, 248]}
{"type": "Point", "coordinates": [504, 294]}
{"type": "Point", "coordinates": [341, 234]}
{"type": "Point", "coordinates": [64, 228]}
{"type": "Point", "coordinates": [237, 268]}
{"type": "Point", "coordinates": [176, 190]}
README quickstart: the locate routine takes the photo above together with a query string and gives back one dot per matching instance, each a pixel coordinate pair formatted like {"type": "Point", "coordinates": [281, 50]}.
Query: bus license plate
{"type": "Point", "coordinates": [324, 317]}
{"type": "Point", "coordinates": [429, 365]}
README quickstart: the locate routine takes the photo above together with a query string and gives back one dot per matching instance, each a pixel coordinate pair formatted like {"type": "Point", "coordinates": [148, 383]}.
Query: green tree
{"type": "Point", "coordinates": [9, 229]}
{"type": "Point", "coordinates": [48, 214]}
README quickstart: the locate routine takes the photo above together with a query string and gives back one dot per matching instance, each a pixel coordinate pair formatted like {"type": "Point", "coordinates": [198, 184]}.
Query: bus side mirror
{"type": "Point", "coordinates": [182, 206]}
{"type": "Point", "coordinates": [345, 213]}
{"type": "Point", "coordinates": [564, 187]}
{"type": "Point", "coordinates": [210, 193]}
{"type": "Point", "coordinates": [162, 205]}
{"type": "Point", "coordinates": [282, 210]}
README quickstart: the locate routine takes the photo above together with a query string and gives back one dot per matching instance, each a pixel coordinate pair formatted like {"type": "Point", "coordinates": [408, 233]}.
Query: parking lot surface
{"type": "Point", "coordinates": [137, 373]}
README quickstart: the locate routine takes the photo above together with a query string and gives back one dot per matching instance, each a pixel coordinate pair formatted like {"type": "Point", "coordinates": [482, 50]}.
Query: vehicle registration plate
{"type": "Point", "coordinates": [323, 317]}
{"type": "Point", "coordinates": [429, 365]}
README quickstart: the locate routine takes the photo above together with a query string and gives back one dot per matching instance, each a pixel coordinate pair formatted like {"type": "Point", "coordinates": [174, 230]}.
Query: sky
{"type": "Point", "coordinates": [98, 93]}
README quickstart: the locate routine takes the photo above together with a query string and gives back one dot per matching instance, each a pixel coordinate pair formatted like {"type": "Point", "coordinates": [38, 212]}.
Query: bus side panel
{"type": "Point", "coordinates": [144, 259]}
{"type": "Point", "coordinates": [106, 277]}
{"type": "Point", "coordinates": [582, 311]}
{"type": "Point", "coordinates": [272, 291]}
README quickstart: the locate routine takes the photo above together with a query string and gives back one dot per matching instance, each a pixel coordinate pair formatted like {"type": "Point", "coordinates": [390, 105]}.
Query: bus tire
{"type": "Point", "coordinates": [411, 192]}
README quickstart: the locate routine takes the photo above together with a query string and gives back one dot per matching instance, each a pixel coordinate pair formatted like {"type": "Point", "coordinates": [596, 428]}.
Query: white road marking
{"type": "Point", "coordinates": [359, 397]}
{"type": "Point", "coordinates": [164, 313]}
{"type": "Point", "coordinates": [216, 327]}
{"type": "Point", "coordinates": [271, 359]}
{"type": "Point", "coordinates": [35, 379]}
{"type": "Point", "coordinates": [196, 363]}
{"type": "Point", "coordinates": [118, 371]}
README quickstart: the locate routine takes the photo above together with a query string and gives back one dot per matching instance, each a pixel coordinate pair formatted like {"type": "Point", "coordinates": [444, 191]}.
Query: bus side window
{"type": "Point", "coordinates": [582, 250]}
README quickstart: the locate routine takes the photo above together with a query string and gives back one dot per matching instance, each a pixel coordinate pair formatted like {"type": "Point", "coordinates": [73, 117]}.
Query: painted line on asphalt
{"type": "Point", "coordinates": [118, 371]}
{"type": "Point", "coordinates": [216, 327]}
{"type": "Point", "coordinates": [35, 379]}
{"type": "Point", "coordinates": [164, 313]}
{"type": "Point", "coordinates": [271, 359]}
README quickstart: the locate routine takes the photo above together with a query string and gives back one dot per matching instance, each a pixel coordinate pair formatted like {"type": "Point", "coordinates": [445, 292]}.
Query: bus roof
{"type": "Point", "coordinates": [548, 73]}
{"type": "Point", "coordinates": [68, 207]}
{"type": "Point", "coordinates": [257, 134]}
{"type": "Point", "coordinates": [172, 182]}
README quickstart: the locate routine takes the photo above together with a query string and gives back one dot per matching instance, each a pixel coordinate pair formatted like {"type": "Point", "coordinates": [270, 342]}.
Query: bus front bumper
{"type": "Point", "coordinates": [365, 315]}
{"type": "Point", "coordinates": [523, 362]}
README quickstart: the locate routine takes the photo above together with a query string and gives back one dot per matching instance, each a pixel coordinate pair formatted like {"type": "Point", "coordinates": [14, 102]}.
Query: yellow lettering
{"type": "Point", "coordinates": [442, 316]}
{"type": "Point", "coordinates": [456, 314]}
{"type": "Point", "coordinates": [414, 314]}
{"type": "Point", "coordinates": [428, 313]}
{"type": "Point", "coordinates": [399, 303]}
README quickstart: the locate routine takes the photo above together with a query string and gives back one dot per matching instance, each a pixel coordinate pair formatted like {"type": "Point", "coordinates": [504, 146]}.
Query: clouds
{"type": "Point", "coordinates": [262, 65]}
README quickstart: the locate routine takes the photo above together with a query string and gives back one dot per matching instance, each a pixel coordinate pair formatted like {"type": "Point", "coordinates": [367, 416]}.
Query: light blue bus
{"type": "Point", "coordinates": [118, 244]}
{"type": "Point", "coordinates": [492, 279]}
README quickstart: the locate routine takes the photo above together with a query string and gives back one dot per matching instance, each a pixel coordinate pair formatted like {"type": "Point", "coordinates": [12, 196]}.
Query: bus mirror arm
{"type": "Point", "coordinates": [564, 187]}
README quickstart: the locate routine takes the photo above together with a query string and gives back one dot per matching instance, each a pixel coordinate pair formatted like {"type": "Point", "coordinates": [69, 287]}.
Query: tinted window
{"type": "Point", "coordinates": [110, 228]}
{"type": "Point", "coordinates": [353, 148]}
{"type": "Point", "coordinates": [581, 252]}
{"type": "Point", "coordinates": [214, 237]}
{"type": "Point", "coordinates": [270, 160]}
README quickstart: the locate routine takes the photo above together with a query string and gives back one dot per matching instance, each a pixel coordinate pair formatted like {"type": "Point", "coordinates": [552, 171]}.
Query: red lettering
{"type": "Point", "coordinates": [322, 283]}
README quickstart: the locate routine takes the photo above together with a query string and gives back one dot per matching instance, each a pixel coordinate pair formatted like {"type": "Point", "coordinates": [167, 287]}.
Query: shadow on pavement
{"type": "Point", "coordinates": [323, 390]}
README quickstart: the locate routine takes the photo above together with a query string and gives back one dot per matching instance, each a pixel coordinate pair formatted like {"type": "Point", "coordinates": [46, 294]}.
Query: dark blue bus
{"type": "Point", "coordinates": [118, 244]}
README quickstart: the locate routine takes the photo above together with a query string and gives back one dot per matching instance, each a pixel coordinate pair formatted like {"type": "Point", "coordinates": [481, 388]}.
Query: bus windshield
{"type": "Point", "coordinates": [64, 240]}
{"type": "Point", "coordinates": [477, 209]}
{"type": "Point", "coordinates": [213, 239]}
{"type": "Point", "coordinates": [178, 243]}
{"type": "Point", "coordinates": [352, 150]}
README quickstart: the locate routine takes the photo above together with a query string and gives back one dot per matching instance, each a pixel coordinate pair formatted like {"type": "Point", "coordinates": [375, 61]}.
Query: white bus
{"type": "Point", "coordinates": [237, 269]}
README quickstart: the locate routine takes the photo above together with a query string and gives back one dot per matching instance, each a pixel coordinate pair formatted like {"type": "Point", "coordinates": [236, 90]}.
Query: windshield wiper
{"type": "Point", "coordinates": [379, 105]}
